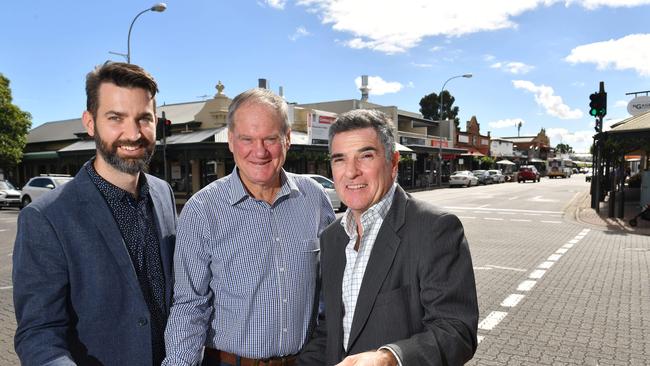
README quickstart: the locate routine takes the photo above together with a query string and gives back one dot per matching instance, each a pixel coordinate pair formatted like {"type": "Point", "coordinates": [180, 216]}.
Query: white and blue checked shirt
{"type": "Point", "coordinates": [245, 271]}
{"type": "Point", "coordinates": [356, 262]}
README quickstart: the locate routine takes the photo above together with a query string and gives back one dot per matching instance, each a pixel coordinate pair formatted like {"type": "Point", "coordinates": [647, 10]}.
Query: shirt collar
{"type": "Point", "coordinates": [113, 193]}
{"type": "Point", "coordinates": [379, 209]}
{"type": "Point", "coordinates": [238, 192]}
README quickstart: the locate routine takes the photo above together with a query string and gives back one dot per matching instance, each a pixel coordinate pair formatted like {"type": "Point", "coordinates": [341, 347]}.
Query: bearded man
{"type": "Point", "coordinates": [92, 261]}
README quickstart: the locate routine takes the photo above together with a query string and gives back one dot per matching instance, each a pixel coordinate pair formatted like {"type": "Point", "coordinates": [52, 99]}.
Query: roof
{"type": "Point", "coordinates": [639, 122]}
{"type": "Point", "coordinates": [56, 131]}
{"type": "Point", "coordinates": [180, 112]}
{"type": "Point", "coordinates": [519, 139]}
{"type": "Point", "coordinates": [195, 136]}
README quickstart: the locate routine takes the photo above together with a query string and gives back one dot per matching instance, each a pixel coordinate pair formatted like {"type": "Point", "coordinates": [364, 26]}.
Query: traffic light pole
{"type": "Point", "coordinates": [164, 148]}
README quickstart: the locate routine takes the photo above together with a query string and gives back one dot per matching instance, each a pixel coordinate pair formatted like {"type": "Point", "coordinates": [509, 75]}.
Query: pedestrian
{"type": "Point", "coordinates": [397, 278]}
{"type": "Point", "coordinates": [246, 262]}
{"type": "Point", "coordinates": [92, 262]}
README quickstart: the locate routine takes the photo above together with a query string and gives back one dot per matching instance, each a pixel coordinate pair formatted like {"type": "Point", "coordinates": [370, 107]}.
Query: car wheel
{"type": "Point", "coordinates": [26, 201]}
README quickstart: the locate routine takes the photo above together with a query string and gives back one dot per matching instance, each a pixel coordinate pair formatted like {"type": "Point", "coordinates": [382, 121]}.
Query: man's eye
{"type": "Point", "coordinates": [271, 140]}
{"type": "Point", "coordinates": [367, 156]}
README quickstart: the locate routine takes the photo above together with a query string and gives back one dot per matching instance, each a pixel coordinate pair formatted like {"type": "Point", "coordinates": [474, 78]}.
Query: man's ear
{"type": "Point", "coordinates": [89, 123]}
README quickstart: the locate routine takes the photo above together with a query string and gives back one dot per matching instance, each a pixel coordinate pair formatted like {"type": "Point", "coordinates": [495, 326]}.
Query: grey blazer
{"type": "Point", "coordinates": [76, 294]}
{"type": "Point", "coordinates": [418, 292]}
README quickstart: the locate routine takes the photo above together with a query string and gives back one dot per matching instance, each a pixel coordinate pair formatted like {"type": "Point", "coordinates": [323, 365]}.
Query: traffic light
{"type": "Point", "coordinates": [598, 104]}
{"type": "Point", "coordinates": [599, 124]}
{"type": "Point", "coordinates": [163, 128]}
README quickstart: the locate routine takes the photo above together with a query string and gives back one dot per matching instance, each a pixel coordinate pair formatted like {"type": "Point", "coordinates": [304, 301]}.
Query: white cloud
{"type": "Point", "coordinates": [580, 141]}
{"type": "Point", "coordinates": [631, 52]}
{"type": "Point", "coordinates": [410, 85]}
{"type": "Point", "coordinates": [421, 65]}
{"type": "Point", "coordinates": [277, 4]}
{"type": "Point", "coordinates": [504, 123]}
{"type": "Point", "coordinates": [436, 48]}
{"type": "Point", "coordinates": [578, 84]}
{"type": "Point", "coordinates": [489, 58]}
{"type": "Point", "coordinates": [299, 33]}
{"type": "Point", "coordinates": [379, 86]}
{"type": "Point", "coordinates": [397, 26]}
{"type": "Point", "coordinates": [545, 97]}
{"type": "Point", "coordinates": [515, 68]}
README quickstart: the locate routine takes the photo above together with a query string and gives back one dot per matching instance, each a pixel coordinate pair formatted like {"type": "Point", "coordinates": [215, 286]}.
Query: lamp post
{"type": "Point", "coordinates": [467, 76]}
{"type": "Point", "coordinates": [160, 7]}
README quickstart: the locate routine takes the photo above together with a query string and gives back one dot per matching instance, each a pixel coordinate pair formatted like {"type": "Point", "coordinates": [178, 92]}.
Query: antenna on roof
{"type": "Point", "coordinates": [203, 97]}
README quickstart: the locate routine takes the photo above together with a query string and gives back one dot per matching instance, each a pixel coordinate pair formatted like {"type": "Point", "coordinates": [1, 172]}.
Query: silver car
{"type": "Point", "coordinates": [38, 186]}
{"type": "Point", "coordinates": [328, 185]}
{"type": "Point", "coordinates": [463, 178]}
{"type": "Point", "coordinates": [9, 195]}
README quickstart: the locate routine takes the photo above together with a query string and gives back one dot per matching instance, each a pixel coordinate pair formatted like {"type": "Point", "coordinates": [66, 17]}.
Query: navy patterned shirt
{"type": "Point", "coordinates": [135, 219]}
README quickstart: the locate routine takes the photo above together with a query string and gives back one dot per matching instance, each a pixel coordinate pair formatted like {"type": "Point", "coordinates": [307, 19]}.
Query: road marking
{"type": "Point", "coordinates": [479, 338]}
{"type": "Point", "coordinates": [526, 285]}
{"type": "Point", "coordinates": [546, 265]}
{"type": "Point", "coordinates": [573, 241]}
{"type": "Point", "coordinates": [532, 214]}
{"type": "Point", "coordinates": [6, 287]}
{"type": "Point", "coordinates": [506, 268]}
{"type": "Point", "coordinates": [520, 220]}
{"type": "Point", "coordinates": [561, 250]}
{"type": "Point", "coordinates": [567, 246]}
{"type": "Point", "coordinates": [536, 274]}
{"type": "Point", "coordinates": [551, 222]}
{"type": "Point", "coordinates": [502, 209]}
{"type": "Point", "coordinates": [540, 199]}
{"type": "Point", "coordinates": [506, 213]}
{"type": "Point", "coordinates": [466, 217]}
{"type": "Point", "coordinates": [512, 300]}
{"type": "Point", "coordinates": [492, 320]}
{"type": "Point", "coordinates": [485, 268]}
{"type": "Point", "coordinates": [554, 257]}
{"type": "Point", "coordinates": [513, 198]}
{"type": "Point", "coordinates": [2, 230]}
{"type": "Point", "coordinates": [493, 218]}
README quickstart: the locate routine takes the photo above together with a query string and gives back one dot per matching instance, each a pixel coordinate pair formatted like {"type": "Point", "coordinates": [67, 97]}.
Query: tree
{"type": "Point", "coordinates": [429, 107]}
{"type": "Point", "coordinates": [563, 149]}
{"type": "Point", "coordinates": [14, 125]}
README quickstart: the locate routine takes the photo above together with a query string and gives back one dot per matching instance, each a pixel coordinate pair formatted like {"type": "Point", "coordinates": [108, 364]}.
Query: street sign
{"type": "Point", "coordinates": [639, 105]}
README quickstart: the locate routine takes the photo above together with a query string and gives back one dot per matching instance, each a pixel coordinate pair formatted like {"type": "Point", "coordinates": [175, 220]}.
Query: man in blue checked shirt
{"type": "Point", "coordinates": [246, 259]}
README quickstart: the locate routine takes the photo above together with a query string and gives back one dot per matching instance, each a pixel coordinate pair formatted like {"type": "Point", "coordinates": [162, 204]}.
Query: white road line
{"type": "Point", "coordinates": [492, 320]}
{"type": "Point", "coordinates": [512, 300]}
{"type": "Point", "coordinates": [536, 274]}
{"type": "Point", "coordinates": [554, 257]}
{"type": "Point", "coordinates": [526, 285]}
{"type": "Point", "coordinates": [507, 268]}
{"type": "Point", "coordinates": [2, 230]}
{"type": "Point", "coordinates": [567, 246]}
{"type": "Point", "coordinates": [546, 265]}
{"type": "Point", "coordinates": [573, 241]}
{"type": "Point", "coordinates": [502, 209]}
{"type": "Point", "coordinates": [507, 213]}
{"type": "Point", "coordinates": [513, 198]}
{"type": "Point", "coordinates": [479, 338]}
{"type": "Point", "coordinates": [520, 220]}
{"type": "Point", "coordinates": [551, 222]}
{"type": "Point", "coordinates": [561, 251]}
{"type": "Point", "coordinates": [532, 214]}
{"type": "Point", "coordinates": [466, 217]}
{"type": "Point", "coordinates": [6, 287]}
{"type": "Point", "coordinates": [484, 268]}
{"type": "Point", "coordinates": [493, 218]}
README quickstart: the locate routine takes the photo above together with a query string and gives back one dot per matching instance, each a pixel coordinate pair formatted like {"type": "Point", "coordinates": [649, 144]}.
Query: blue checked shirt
{"type": "Point", "coordinates": [245, 271]}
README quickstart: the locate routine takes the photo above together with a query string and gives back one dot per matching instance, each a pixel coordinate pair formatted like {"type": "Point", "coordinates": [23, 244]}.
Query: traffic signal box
{"type": "Point", "coordinates": [598, 104]}
{"type": "Point", "coordinates": [163, 128]}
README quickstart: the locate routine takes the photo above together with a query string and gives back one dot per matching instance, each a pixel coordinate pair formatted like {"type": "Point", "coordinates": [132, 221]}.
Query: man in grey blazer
{"type": "Point", "coordinates": [397, 278]}
{"type": "Point", "coordinates": [92, 262]}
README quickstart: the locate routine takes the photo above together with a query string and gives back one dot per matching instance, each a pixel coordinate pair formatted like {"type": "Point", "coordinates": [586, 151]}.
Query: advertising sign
{"type": "Point", "coordinates": [639, 105]}
{"type": "Point", "coordinates": [319, 126]}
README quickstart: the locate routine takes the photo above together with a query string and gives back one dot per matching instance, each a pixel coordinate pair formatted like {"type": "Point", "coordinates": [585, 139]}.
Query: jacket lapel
{"type": "Point", "coordinates": [379, 264]}
{"type": "Point", "coordinates": [166, 253]}
{"type": "Point", "coordinates": [338, 267]}
{"type": "Point", "coordinates": [94, 206]}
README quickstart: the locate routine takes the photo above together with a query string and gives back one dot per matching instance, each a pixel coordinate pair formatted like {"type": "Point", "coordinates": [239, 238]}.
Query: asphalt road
{"type": "Point", "coordinates": [551, 291]}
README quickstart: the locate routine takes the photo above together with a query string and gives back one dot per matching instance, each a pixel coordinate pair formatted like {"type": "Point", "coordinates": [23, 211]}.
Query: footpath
{"type": "Point", "coordinates": [584, 214]}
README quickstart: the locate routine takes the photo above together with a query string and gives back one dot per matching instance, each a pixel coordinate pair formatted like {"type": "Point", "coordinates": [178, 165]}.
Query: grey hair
{"type": "Point", "coordinates": [366, 118]}
{"type": "Point", "coordinates": [263, 97]}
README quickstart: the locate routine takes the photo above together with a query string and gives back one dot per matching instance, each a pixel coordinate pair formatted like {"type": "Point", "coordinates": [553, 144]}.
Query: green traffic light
{"type": "Point", "coordinates": [593, 112]}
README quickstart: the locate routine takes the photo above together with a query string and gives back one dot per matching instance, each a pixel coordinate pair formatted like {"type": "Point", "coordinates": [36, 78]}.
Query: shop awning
{"type": "Point", "coordinates": [401, 148]}
{"type": "Point", "coordinates": [505, 162]}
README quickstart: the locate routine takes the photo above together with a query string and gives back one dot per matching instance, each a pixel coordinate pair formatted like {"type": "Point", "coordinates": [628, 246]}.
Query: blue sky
{"type": "Point", "coordinates": [532, 61]}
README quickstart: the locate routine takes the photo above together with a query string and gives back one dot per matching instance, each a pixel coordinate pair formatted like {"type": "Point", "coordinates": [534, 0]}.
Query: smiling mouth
{"type": "Point", "coordinates": [356, 186]}
{"type": "Point", "coordinates": [130, 147]}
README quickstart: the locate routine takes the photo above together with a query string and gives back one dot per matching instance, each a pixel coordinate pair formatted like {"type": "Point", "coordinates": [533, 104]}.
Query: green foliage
{"type": "Point", "coordinates": [429, 107]}
{"type": "Point", "coordinates": [487, 162]}
{"type": "Point", "coordinates": [14, 125]}
{"type": "Point", "coordinates": [563, 149]}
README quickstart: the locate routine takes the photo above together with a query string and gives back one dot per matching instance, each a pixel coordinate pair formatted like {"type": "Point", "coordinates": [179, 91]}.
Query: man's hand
{"type": "Point", "coordinates": [373, 358]}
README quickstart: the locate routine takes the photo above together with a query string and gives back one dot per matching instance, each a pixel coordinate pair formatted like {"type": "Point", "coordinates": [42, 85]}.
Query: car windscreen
{"type": "Point", "coordinates": [61, 181]}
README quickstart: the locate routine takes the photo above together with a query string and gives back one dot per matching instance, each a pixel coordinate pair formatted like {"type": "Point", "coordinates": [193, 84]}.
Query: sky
{"type": "Point", "coordinates": [532, 61]}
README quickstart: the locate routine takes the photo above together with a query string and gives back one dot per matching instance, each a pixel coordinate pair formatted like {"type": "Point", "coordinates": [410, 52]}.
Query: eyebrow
{"type": "Point", "coordinates": [361, 150]}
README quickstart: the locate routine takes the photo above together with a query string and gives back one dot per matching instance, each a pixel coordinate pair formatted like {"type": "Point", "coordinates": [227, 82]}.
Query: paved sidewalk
{"type": "Point", "coordinates": [584, 214]}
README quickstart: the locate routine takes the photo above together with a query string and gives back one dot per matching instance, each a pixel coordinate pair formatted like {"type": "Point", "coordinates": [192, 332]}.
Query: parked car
{"type": "Point", "coordinates": [497, 176]}
{"type": "Point", "coordinates": [527, 172]}
{"type": "Point", "coordinates": [9, 195]}
{"type": "Point", "coordinates": [328, 185]}
{"type": "Point", "coordinates": [483, 176]}
{"type": "Point", "coordinates": [463, 178]}
{"type": "Point", "coordinates": [38, 186]}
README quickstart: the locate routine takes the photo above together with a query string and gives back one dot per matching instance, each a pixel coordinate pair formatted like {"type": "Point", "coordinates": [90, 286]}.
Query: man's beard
{"type": "Point", "coordinates": [129, 166]}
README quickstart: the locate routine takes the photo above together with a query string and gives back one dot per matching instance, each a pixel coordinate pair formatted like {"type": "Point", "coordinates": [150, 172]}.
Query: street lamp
{"type": "Point", "coordinates": [467, 76]}
{"type": "Point", "coordinates": [160, 7]}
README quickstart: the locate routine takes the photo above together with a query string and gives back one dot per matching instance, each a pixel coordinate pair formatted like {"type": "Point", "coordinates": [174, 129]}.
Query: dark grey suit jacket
{"type": "Point", "coordinates": [76, 294]}
{"type": "Point", "coordinates": [418, 292]}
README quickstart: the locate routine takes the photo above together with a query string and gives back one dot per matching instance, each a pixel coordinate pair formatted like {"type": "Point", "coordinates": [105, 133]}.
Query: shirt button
{"type": "Point", "coordinates": [281, 269]}
{"type": "Point", "coordinates": [284, 300]}
{"type": "Point", "coordinates": [284, 330]}
{"type": "Point", "coordinates": [277, 239]}
{"type": "Point", "coordinates": [142, 322]}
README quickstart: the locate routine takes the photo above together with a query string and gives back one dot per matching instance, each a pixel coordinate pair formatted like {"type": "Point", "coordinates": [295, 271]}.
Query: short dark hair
{"type": "Point", "coordinates": [366, 118]}
{"type": "Point", "coordinates": [263, 97]}
{"type": "Point", "coordinates": [120, 74]}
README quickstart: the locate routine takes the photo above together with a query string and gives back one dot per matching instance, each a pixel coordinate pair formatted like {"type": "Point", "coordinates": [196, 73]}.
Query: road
{"type": "Point", "coordinates": [551, 291]}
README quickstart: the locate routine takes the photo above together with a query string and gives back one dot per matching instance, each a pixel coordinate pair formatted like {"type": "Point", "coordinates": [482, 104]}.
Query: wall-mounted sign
{"type": "Point", "coordinates": [639, 105]}
{"type": "Point", "coordinates": [319, 125]}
